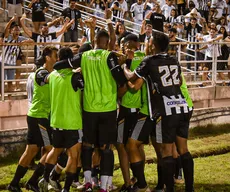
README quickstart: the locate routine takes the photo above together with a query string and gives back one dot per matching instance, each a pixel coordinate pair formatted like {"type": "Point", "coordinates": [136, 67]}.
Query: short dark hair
{"type": "Point", "coordinates": [160, 41]}
{"type": "Point", "coordinates": [65, 53]}
{"type": "Point", "coordinates": [102, 34]}
{"type": "Point", "coordinates": [85, 47]}
{"type": "Point", "coordinates": [47, 51]}
{"type": "Point", "coordinates": [131, 37]}
{"type": "Point", "coordinates": [194, 18]}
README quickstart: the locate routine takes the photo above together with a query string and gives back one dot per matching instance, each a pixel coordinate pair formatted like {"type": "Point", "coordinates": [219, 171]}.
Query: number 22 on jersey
{"type": "Point", "coordinates": [166, 78]}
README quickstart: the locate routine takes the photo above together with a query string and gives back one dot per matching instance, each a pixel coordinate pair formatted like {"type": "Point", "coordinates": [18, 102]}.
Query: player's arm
{"type": "Point", "coordinates": [77, 80]}
{"type": "Point", "coordinates": [75, 62]}
{"type": "Point", "coordinates": [112, 36]}
{"type": "Point", "coordinates": [140, 72]}
{"type": "Point", "coordinates": [116, 70]}
{"type": "Point", "coordinates": [41, 77]}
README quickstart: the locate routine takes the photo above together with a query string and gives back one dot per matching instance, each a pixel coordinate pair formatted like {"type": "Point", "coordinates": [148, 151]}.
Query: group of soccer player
{"type": "Point", "coordinates": [74, 112]}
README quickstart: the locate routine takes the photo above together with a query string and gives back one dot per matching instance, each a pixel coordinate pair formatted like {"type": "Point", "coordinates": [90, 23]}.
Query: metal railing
{"type": "Point", "coordinates": [194, 76]}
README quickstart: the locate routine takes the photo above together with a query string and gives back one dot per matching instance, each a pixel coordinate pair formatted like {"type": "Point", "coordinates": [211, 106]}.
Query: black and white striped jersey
{"type": "Point", "coordinates": [11, 52]}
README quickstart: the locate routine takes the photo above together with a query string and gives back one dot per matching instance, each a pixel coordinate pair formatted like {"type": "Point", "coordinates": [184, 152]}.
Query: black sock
{"type": "Point", "coordinates": [76, 179]}
{"type": "Point", "coordinates": [188, 169]}
{"type": "Point", "coordinates": [95, 171]}
{"type": "Point", "coordinates": [54, 175]}
{"type": "Point", "coordinates": [160, 184]}
{"type": "Point", "coordinates": [178, 168]}
{"type": "Point", "coordinates": [168, 171]}
{"type": "Point", "coordinates": [69, 180]}
{"type": "Point", "coordinates": [37, 173]}
{"type": "Point", "coordinates": [48, 169]}
{"type": "Point", "coordinates": [138, 172]}
{"type": "Point", "coordinates": [20, 172]}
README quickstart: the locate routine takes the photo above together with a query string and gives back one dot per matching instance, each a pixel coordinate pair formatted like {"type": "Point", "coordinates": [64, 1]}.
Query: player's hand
{"type": "Point", "coordinates": [129, 53]}
{"type": "Point", "coordinates": [78, 70]}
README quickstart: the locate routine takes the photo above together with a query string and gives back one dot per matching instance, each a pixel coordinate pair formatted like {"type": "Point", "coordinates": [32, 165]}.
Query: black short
{"type": "Point", "coordinates": [143, 128]}
{"type": "Point", "coordinates": [127, 120]}
{"type": "Point", "coordinates": [38, 17]}
{"type": "Point", "coordinates": [168, 127]}
{"type": "Point", "coordinates": [39, 132]}
{"type": "Point", "coordinates": [99, 128]}
{"type": "Point", "coordinates": [66, 138]}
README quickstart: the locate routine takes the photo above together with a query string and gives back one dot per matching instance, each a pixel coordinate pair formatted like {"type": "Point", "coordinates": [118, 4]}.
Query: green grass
{"type": "Point", "coordinates": [212, 173]}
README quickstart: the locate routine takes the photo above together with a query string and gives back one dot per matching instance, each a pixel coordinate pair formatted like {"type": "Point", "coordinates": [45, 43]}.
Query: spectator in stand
{"type": "Point", "coordinates": [138, 10]}
{"type": "Point", "coordinates": [181, 4]}
{"type": "Point", "coordinates": [99, 6]}
{"type": "Point", "coordinates": [119, 7]}
{"type": "Point", "coordinates": [211, 49]}
{"type": "Point", "coordinates": [172, 49]}
{"type": "Point", "coordinates": [204, 8]}
{"type": "Point", "coordinates": [39, 8]}
{"type": "Point", "coordinates": [54, 26]}
{"type": "Point", "coordinates": [120, 30]}
{"type": "Point", "coordinates": [44, 36]}
{"type": "Point", "coordinates": [196, 5]}
{"type": "Point", "coordinates": [156, 18]}
{"type": "Point", "coordinates": [222, 23]}
{"type": "Point", "coordinates": [71, 35]}
{"type": "Point", "coordinates": [192, 29]}
{"type": "Point", "coordinates": [145, 33]}
{"type": "Point", "coordinates": [128, 17]}
{"type": "Point", "coordinates": [15, 7]}
{"type": "Point", "coordinates": [12, 53]}
{"type": "Point", "coordinates": [173, 17]}
{"type": "Point", "coordinates": [221, 7]}
{"type": "Point", "coordinates": [224, 47]}
{"type": "Point", "coordinates": [166, 9]}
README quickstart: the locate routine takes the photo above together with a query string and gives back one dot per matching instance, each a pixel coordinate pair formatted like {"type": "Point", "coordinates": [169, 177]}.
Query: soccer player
{"type": "Point", "coordinates": [100, 71]}
{"type": "Point", "coordinates": [128, 114]}
{"type": "Point", "coordinates": [66, 119]}
{"type": "Point", "coordinates": [168, 108]}
{"type": "Point", "coordinates": [39, 132]}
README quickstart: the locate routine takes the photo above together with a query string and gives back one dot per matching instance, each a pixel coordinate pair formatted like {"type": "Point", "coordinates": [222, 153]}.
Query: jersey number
{"type": "Point", "coordinates": [166, 81]}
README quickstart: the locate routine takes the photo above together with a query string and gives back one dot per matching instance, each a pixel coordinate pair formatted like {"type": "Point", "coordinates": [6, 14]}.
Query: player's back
{"type": "Point", "coordinates": [164, 81]}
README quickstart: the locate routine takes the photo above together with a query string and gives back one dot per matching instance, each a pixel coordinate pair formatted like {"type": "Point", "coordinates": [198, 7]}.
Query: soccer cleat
{"type": "Point", "coordinates": [43, 185]}
{"type": "Point", "coordinates": [14, 188]}
{"type": "Point", "coordinates": [76, 184]}
{"type": "Point", "coordinates": [56, 186]}
{"type": "Point", "coordinates": [32, 187]}
{"type": "Point", "coordinates": [87, 187]}
{"type": "Point", "coordinates": [111, 187]}
{"type": "Point", "coordinates": [102, 190]}
{"type": "Point", "coordinates": [158, 190]}
{"type": "Point", "coordinates": [126, 189]}
{"type": "Point", "coordinates": [95, 183]}
{"type": "Point", "coordinates": [136, 189]}
{"type": "Point", "coordinates": [64, 190]}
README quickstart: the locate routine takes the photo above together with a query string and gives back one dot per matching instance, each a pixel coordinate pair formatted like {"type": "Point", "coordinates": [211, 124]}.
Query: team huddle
{"type": "Point", "coordinates": [75, 119]}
